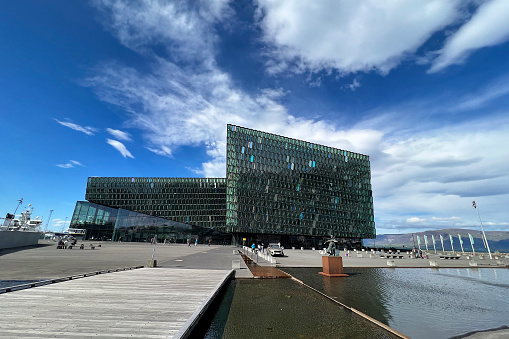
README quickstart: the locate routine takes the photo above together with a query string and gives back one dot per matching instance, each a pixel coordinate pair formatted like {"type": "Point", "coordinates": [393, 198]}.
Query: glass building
{"type": "Point", "coordinates": [282, 186]}
{"type": "Point", "coordinates": [276, 189]}
{"type": "Point", "coordinates": [106, 223]}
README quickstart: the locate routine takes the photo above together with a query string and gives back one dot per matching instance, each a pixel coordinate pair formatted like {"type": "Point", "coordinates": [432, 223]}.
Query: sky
{"type": "Point", "coordinates": [146, 88]}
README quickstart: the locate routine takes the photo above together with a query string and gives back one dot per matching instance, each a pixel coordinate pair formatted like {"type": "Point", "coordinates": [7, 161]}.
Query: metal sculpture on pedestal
{"type": "Point", "coordinates": [332, 264]}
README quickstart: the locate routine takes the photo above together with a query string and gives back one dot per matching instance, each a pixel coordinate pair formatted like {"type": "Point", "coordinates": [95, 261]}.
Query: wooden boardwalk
{"type": "Point", "coordinates": [142, 303]}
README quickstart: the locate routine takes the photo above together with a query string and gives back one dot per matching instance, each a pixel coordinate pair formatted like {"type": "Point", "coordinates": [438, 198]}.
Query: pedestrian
{"type": "Point", "coordinates": [188, 243]}
{"type": "Point", "coordinates": [253, 246]}
{"type": "Point", "coordinates": [420, 254]}
{"type": "Point", "coordinates": [196, 242]}
{"type": "Point", "coordinates": [210, 240]}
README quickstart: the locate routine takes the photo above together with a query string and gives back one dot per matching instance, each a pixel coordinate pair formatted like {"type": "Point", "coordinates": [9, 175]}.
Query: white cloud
{"type": "Point", "coordinates": [495, 90]}
{"type": "Point", "coordinates": [489, 26]}
{"type": "Point", "coordinates": [120, 147]}
{"type": "Point", "coordinates": [182, 108]}
{"type": "Point", "coordinates": [353, 86]}
{"type": "Point", "coordinates": [76, 163]}
{"type": "Point", "coordinates": [418, 166]}
{"type": "Point", "coordinates": [439, 172]}
{"type": "Point", "coordinates": [162, 150]}
{"type": "Point", "coordinates": [446, 219]}
{"type": "Point", "coordinates": [415, 220]}
{"type": "Point", "coordinates": [70, 164]}
{"type": "Point", "coordinates": [182, 27]}
{"type": "Point", "coordinates": [121, 135]}
{"type": "Point", "coordinates": [350, 36]}
{"type": "Point", "coordinates": [490, 223]}
{"type": "Point", "coordinates": [87, 130]}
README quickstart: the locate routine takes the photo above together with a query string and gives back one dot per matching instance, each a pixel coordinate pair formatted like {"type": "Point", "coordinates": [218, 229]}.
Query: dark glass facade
{"type": "Point", "coordinates": [276, 188]}
{"type": "Point", "coordinates": [105, 223]}
{"type": "Point", "coordinates": [279, 185]}
{"type": "Point", "coordinates": [99, 221]}
{"type": "Point", "coordinates": [194, 201]}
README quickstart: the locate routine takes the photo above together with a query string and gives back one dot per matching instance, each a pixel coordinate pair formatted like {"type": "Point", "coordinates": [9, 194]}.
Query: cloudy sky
{"type": "Point", "coordinates": [146, 88]}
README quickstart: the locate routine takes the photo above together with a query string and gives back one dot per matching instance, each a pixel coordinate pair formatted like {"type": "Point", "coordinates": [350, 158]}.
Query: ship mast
{"type": "Point", "coordinates": [20, 201]}
{"type": "Point", "coordinates": [47, 222]}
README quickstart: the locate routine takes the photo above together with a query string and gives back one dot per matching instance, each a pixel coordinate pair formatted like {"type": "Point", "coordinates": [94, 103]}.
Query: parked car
{"type": "Point", "coordinates": [275, 250]}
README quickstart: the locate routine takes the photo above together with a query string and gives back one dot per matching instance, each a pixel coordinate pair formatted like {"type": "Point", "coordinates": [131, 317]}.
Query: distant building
{"type": "Point", "coordinates": [276, 189]}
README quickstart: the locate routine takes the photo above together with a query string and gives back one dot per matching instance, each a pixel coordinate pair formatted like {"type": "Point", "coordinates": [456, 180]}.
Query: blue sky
{"type": "Point", "coordinates": [146, 88]}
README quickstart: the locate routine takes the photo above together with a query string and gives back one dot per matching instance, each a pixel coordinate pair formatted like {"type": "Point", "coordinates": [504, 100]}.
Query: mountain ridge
{"type": "Point", "coordinates": [497, 240]}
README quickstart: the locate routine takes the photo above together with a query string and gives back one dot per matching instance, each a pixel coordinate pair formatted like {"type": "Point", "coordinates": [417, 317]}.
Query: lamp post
{"type": "Point", "coordinates": [482, 228]}
{"type": "Point", "coordinates": [63, 228]}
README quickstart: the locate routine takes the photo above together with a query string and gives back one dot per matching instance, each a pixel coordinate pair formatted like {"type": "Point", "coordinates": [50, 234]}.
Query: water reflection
{"type": "Point", "coordinates": [421, 303]}
{"type": "Point", "coordinates": [282, 308]}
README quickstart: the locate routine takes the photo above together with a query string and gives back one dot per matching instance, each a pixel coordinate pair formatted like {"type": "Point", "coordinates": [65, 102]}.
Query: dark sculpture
{"type": "Point", "coordinates": [332, 249]}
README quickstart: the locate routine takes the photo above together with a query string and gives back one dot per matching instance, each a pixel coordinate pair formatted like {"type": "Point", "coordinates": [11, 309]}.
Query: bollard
{"type": "Point", "coordinates": [302, 248]}
{"type": "Point", "coordinates": [312, 248]}
{"type": "Point", "coordinates": [235, 264]}
{"type": "Point", "coordinates": [152, 263]}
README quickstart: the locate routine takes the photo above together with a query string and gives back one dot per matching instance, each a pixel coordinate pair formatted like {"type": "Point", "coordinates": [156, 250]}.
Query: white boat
{"type": "Point", "coordinates": [20, 232]}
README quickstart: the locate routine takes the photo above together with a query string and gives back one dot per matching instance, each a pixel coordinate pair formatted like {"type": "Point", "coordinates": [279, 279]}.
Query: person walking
{"type": "Point", "coordinates": [188, 243]}
{"type": "Point", "coordinates": [196, 242]}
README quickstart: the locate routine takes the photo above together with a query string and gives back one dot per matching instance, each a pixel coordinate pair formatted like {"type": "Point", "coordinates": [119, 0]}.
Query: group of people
{"type": "Point", "coordinates": [260, 247]}
{"type": "Point", "coordinates": [64, 242]}
{"type": "Point", "coordinates": [189, 242]}
{"type": "Point", "coordinates": [417, 253]}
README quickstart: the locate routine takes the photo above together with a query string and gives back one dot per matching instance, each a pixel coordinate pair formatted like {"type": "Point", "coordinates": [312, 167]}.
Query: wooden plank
{"type": "Point", "coordinates": [145, 303]}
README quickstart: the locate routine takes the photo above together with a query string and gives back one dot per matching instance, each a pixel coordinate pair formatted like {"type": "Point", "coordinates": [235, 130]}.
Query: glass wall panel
{"type": "Point", "coordinates": [307, 190]}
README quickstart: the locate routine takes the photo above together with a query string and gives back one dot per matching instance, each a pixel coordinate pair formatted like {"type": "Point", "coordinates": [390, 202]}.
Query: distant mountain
{"type": "Point", "coordinates": [497, 240]}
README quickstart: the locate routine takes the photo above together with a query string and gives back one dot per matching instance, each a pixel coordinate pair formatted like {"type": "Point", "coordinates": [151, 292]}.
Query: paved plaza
{"type": "Point", "coordinates": [182, 273]}
{"type": "Point", "coordinates": [47, 262]}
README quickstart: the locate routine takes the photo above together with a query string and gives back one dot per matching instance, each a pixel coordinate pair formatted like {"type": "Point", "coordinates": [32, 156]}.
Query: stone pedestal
{"type": "Point", "coordinates": [332, 267]}
{"type": "Point", "coordinates": [152, 263]}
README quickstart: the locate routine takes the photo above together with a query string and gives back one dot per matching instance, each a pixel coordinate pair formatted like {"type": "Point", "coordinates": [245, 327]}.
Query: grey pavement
{"type": "Point", "coordinates": [310, 258]}
{"type": "Point", "coordinates": [47, 262]}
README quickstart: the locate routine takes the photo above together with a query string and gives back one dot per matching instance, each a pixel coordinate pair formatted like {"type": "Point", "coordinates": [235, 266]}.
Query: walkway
{"type": "Point", "coordinates": [141, 303]}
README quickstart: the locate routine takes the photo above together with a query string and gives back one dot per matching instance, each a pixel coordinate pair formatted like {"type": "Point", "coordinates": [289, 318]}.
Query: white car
{"type": "Point", "coordinates": [275, 250]}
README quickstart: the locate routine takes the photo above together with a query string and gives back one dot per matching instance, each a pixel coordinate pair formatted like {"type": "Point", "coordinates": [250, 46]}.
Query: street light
{"type": "Point", "coordinates": [482, 228]}
{"type": "Point", "coordinates": [63, 228]}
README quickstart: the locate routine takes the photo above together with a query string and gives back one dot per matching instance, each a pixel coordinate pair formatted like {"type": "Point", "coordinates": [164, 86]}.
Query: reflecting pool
{"type": "Point", "coordinates": [283, 308]}
{"type": "Point", "coordinates": [421, 303]}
